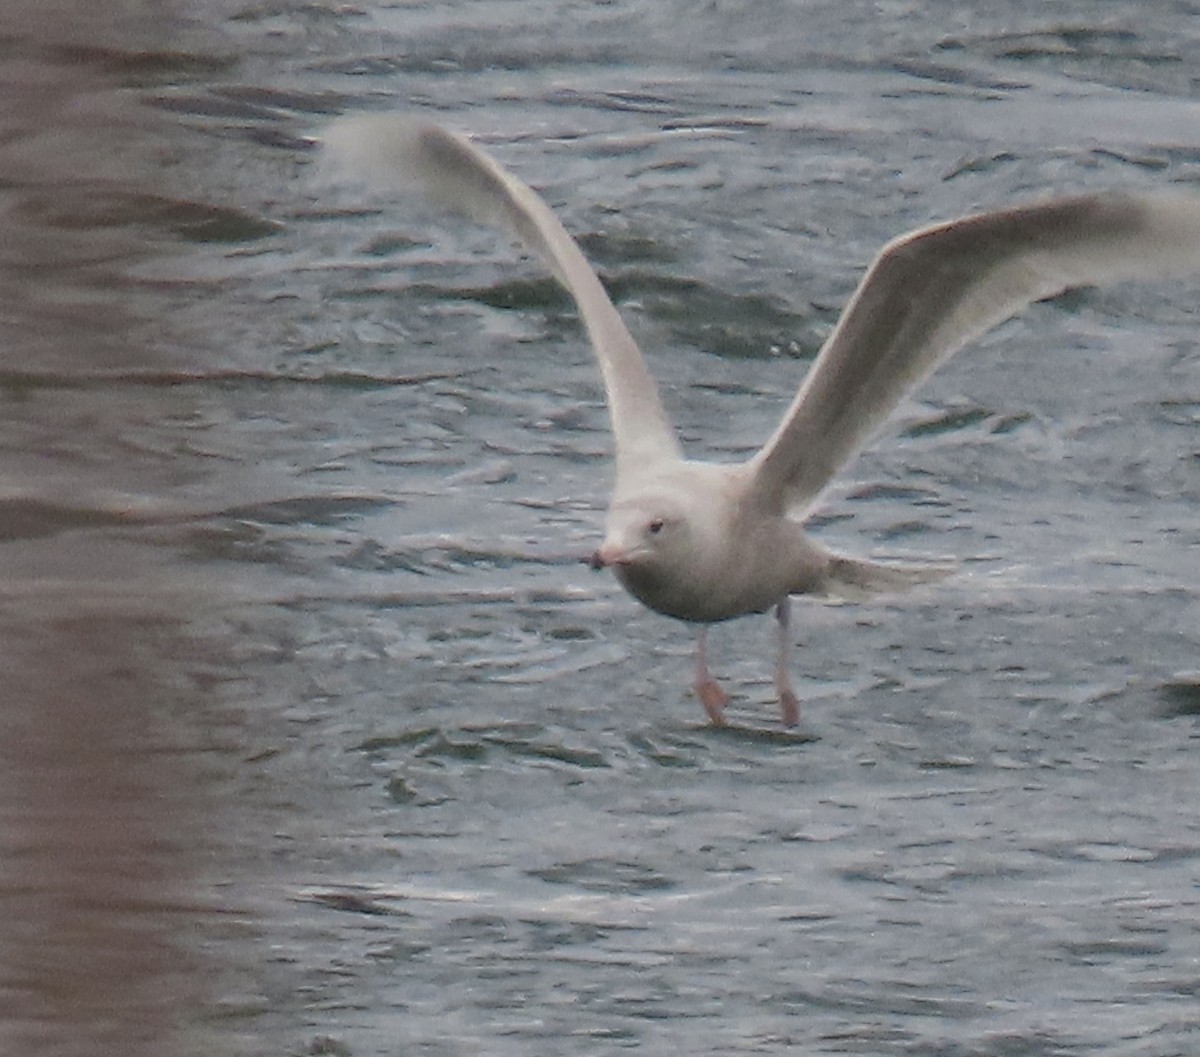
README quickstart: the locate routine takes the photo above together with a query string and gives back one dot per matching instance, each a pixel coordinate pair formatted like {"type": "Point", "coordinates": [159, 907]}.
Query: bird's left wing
{"type": "Point", "coordinates": [930, 292]}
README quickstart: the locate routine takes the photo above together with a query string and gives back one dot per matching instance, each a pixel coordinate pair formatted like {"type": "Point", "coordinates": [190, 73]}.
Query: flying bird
{"type": "Point", "coordinates": [705, 542]}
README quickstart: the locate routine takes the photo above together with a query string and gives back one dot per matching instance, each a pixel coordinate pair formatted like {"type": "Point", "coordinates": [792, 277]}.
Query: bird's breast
{"type": "Point", "coordinates": [708, 593]}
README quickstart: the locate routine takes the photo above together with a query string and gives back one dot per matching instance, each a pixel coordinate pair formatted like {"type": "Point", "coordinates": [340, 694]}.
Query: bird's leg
{"type": "Point", "coordinates": [789, 704]}
{"type": "Point", "coordinates": [712, 697]}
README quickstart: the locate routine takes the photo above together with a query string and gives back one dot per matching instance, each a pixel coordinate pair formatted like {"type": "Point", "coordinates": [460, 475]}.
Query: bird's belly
{"type": "Point", "coordinates": [698, 601]}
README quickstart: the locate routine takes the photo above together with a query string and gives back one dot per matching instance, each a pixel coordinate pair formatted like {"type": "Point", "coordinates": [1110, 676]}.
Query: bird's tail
{"type": "Point", "coordinates": [854, 578]}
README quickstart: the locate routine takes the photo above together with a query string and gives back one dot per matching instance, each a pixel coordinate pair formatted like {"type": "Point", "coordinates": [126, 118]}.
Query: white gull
{"type": "Point", "coordinates": [704, 542]}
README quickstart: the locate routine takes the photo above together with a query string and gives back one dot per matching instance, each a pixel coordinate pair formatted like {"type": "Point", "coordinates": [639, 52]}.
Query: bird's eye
{"type": "Point", "coordinates": [655, 526]}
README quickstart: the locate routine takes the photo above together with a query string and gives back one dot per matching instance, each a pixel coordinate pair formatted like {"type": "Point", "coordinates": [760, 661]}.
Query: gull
{"type": "Point", "coordinates": [706, 542]}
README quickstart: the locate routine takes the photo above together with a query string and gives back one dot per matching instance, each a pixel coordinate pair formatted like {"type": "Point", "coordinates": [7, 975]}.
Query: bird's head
{"type": "Point", "coordinates": [642, 535]}
{"type": "Point", "coordinates": [657, 546]}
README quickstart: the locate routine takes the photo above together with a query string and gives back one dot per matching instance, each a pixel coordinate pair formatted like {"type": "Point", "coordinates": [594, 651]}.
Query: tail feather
{"type": "Point", "coordinates": [855, 578]}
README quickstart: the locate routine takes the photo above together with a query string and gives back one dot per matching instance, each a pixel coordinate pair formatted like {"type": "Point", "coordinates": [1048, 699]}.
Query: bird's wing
{"type": "Point", "coordinates": [397, 153]}
{"type": "Point", "coordinates": [930, 292]}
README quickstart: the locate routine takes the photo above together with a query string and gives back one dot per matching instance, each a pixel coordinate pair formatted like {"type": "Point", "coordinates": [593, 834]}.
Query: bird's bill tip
{"type": "Point", "coordinates": [605, 556]}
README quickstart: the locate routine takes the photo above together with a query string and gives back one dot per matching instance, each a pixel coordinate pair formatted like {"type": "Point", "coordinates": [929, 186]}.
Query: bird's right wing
{"type": "Point", "coordinates": [930, 292]}
{"type": "Point", "coordinates": [395, 153]}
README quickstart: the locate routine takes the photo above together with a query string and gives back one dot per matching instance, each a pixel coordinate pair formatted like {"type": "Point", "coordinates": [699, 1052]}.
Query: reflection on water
{"type": "Point", "coordinates": [98, 832]}
{"type": "Point", "coordinates": [103, 817]}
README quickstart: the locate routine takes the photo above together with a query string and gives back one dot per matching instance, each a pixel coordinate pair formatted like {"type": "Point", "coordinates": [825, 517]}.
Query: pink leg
{"type": "Point", "coordinates": [789, 704]}
{"type": "Point", "coordinates": [712, 697]}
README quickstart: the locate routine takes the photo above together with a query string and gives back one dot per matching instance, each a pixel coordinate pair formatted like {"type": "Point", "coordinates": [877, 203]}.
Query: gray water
{"type": "Point", "coordinates": [317, 738]}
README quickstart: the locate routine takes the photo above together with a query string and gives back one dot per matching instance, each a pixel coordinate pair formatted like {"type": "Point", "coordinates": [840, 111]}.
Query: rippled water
{"type": "Point", "coordinates": [317, 737]}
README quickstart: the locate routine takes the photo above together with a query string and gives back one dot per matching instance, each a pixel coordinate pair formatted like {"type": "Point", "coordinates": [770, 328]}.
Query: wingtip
{"type": "Point", "coordinates": [372, 149]}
